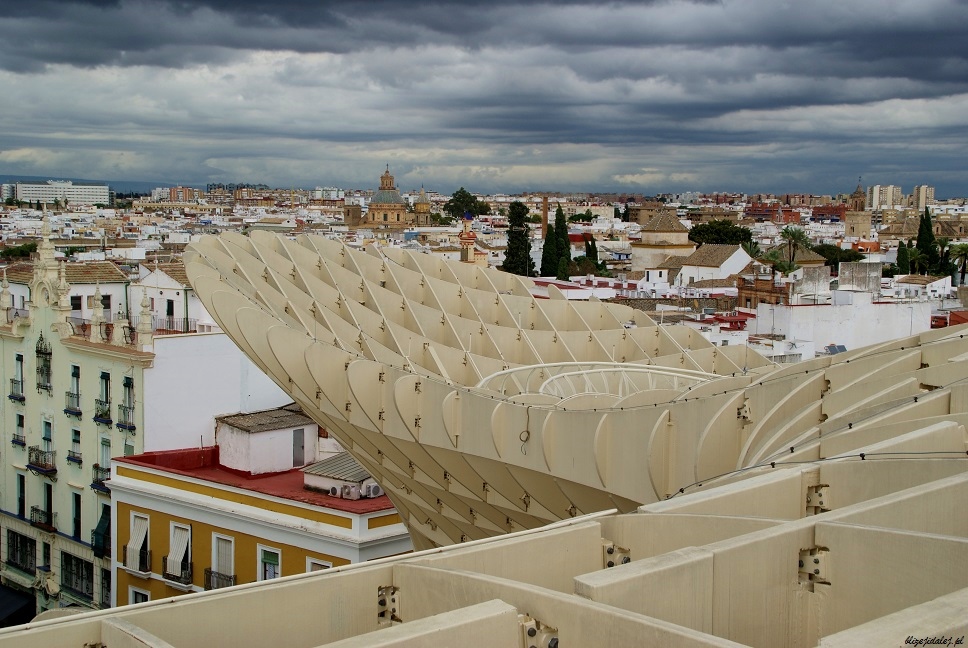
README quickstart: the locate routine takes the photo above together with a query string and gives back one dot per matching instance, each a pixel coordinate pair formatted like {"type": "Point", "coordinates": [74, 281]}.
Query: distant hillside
{"type": "Point", "coordinates": [119, 186]}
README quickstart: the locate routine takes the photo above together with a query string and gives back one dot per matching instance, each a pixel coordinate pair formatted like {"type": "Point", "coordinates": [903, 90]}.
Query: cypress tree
{"type": "Point", "coordinates": [561, 230]}
{"type": "Point", "coordinates": [903, 263]}
{"type": "Point", "coordinates": [517, 260]}
{"type": "Point", "coordinates": [594, 251]}
{"type": "Point", "coordinates": [926, 244]}
{"type": "Point", "coordinates": [549, 254]}
{"type": "Point", "coordinates": [562, 273]}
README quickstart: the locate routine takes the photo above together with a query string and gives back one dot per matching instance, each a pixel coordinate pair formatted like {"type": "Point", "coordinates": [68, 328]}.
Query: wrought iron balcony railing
{"type": "Point", "coordinates": [43, 380]}
{"type": "Point", "coordinates": [73, 456]}
{"type": "Point", "coordinates": [72, 403]}
{"type": "Point", "coordinates": [102, 411]}
{"type": "Point", "coordinates": [42, 519]}
{"type": "Point", "coordinates": [178, 572]}
{"type": "Point", "coordinates": [126, 416]}
{"type": "Point", "coordinates": [19, 439]}
{"type": "Point", "coordinates": [143, 563]}
{"type": "Point", "coordinates": [17, 390]}
{"type": "Point", "coordinates": [41, 461]}
{"type": "Point", "coordinates": [216, 580]}
{"type": "Point", "coordinates": [99, 475]}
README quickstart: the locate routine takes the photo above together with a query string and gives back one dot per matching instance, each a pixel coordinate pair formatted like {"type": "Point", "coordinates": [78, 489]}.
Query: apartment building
{"type": "Point", "coordinates": [884, 196]}
{"type": "Point", "coordinates": [75, 193]}
{"type": "Point", "coordinates": [249, 509]}
{"type": "Point", "coordinates": [86, 384]}
{"type": "Point", "coordinates": [921, 197]}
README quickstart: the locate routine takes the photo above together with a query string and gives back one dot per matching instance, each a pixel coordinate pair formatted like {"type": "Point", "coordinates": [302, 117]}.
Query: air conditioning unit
{"type": "Point", "coordinates": [334, 491]}
{"type": "Point", "coordinates": [372, 490]}
{"type": "Point", "coordinates": [351, 492]}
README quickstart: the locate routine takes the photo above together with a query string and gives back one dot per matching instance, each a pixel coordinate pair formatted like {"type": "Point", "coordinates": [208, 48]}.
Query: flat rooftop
{"type": "Point", "coordinates": [202, 463]}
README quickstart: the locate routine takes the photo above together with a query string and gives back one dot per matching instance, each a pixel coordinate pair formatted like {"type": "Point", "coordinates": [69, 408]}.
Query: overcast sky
{"type": "Point", "coordinates": [742, 95]}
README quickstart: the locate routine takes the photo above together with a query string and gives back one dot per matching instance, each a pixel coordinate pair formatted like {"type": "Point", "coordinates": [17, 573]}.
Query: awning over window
{"type": "Point", "coordinates": [179, 544]}
{"type": "Point", "coordinates": [139, 531]}
{"type": "Point", "coordinates": [101, 538]}
{"type": "Point", "coordinates": [16, 607]}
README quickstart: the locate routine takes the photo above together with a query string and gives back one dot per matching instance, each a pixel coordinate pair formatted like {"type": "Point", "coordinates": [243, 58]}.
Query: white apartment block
{"type": "Point", "coordinates": [59, 190]}
{"type": "Point", "coordinates": [884, 196]}
{"type": "Point", "coordinates": [87, 384]}
{"type": "Point", "coordinates": [921, 197]}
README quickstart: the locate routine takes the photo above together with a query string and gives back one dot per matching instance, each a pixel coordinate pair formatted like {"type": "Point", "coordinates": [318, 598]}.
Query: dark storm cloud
{"type": "Point", "coordinates": [622, 92]}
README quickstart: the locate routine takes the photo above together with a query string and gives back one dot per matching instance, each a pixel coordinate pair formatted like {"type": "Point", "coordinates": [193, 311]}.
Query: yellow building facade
{"type": "Point", "coordinates": [184, 524]}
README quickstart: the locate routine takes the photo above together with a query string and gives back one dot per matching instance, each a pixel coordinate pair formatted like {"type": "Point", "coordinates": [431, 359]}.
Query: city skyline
{"type": "Point", "coordinates": [624, 97]}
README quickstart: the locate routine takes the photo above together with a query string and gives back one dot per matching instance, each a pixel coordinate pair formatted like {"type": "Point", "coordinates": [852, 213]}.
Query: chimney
{"type": "Point", "coordinates": [544, 217]}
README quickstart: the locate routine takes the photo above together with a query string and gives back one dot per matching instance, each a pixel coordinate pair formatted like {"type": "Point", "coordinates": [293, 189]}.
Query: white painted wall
{"type": "Point", "coordinates": [733, 265]}
{"type": "Point", "coordinates": [195, 378]}
{"type": "Point", "coordinates": [264, 452]}
{"type": "Point", "coordinates": [854, 322]}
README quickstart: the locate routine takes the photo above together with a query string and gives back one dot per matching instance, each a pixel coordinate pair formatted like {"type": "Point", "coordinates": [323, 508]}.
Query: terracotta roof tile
{"type": "Point", "coordinates": [665, 223]}
{"type": "Point", "coordinates": [672, 262]}
{"type": "Point", "coordinates": [710, 255]}
{"type": "Point", "coordinates": [87, 272]}
{"type": "Point", "coordinates": [175, 270]}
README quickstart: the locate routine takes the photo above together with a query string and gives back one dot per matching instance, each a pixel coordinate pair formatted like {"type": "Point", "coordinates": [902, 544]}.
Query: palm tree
{"type": "Point", "coordinates": [959, 254]}
{"type": "Point", "coordinates": [916, 259]}
{"type": "Point", "coordinates": [796, 239]}
{"type": "Point", "coordinates": [752, 248]}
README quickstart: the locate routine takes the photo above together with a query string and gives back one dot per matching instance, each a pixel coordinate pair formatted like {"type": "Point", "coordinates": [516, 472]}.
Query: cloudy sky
{"type": "Point", "coordinates": [743, 95]}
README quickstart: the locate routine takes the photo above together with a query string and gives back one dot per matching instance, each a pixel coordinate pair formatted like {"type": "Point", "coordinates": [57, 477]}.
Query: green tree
{"type": "Point", "coordinates": [835, 256]}
{"type": "Point", "coordinates": [562, 273]}
{"type": "Point", "coordinates": [959, 255]}
{"type": "Point", "coordinates": [778, 263]}
{"type": "Point", "coordinates": [926, 244]}
{"type": "Point", "coordinates": [461, 202]}
{"type": "Point", "coordinates": [917, 260]}
{"type": "Point", "coordinates": [561, 231]}
{"type": "Point", "coordinates": [720, 231]}
{"type": "Point", "coordinates": [517, 260]}
{"type": "Point", "coordinates": [796, 239]}
{"type": "Point", "coordinates": [19, 251]}
{"type": "Point", "coordinates": [903, 259]}
{"type": "Point", "coordinates": [593, 246]}
{"type": "Point", "coordinates": [549, 253]}
{"type": "Point", "coordinates": [752, 248]}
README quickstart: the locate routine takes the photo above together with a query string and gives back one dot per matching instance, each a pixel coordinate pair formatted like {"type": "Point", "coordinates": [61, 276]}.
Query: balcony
{"type": "Point", "coordinates": [215, 580]}
{"type": "Point", "coordinates": [180, 573]}
{"type": "Point", "coordinates": [43, 381]}
{"type": "Point", "coordinates": [17, 313]}
{"type": "Point", "coordinates": [169, 325]}
{"type": "Point", "coordinates": [72, 404]}
{"type": "Point", "coordinates": [126, 417]}
{"type": "Point", "coordinates": [143, 565]}
{"type": "Point", "coordinates": [18, 439]}
{"type": "Point", "coordinates": [102, 412]}
{"type": "Point", "coordinates": [74, 456]}
{"type": "Point", "coordinates": [42, 519]}
{"type": "Point", "coordinates": [99, 476]}
{"type": "Point", "coordinates": [41, 461]}
{"type": "Point", "coordinates": [17, 390]}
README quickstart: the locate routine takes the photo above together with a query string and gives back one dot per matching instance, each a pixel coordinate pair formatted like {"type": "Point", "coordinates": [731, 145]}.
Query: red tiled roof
{"type": "Point", "coordinates": [175, 270]}
{"type": "Point", "coordinates": [87, 272]}
{"type": "Point", "coordinates": [202, 463]}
